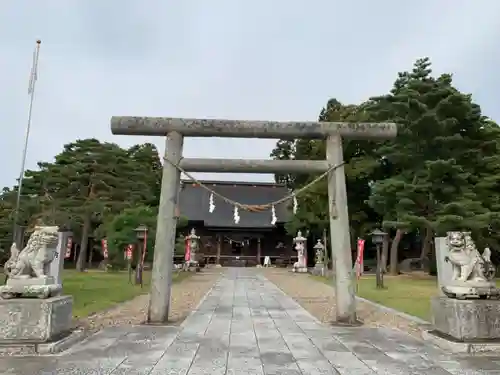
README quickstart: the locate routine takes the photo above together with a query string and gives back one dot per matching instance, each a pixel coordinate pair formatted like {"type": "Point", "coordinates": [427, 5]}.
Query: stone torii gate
{"type": "Point", "coordinates": [175, 129]}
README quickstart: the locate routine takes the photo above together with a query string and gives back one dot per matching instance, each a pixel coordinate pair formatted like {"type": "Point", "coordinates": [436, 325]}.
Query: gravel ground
{"type": "Point", "coordinates": [319, 299]}
{"type": "Point", "coordinates": [186, 295]}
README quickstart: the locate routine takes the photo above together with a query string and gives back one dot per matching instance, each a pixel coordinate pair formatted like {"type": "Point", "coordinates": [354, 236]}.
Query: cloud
{"type": "Point", "coordinates": [278, 60]}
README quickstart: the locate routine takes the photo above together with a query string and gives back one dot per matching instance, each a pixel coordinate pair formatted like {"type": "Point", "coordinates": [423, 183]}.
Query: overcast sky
{"type": "Point", "coordinates": [259, 59]}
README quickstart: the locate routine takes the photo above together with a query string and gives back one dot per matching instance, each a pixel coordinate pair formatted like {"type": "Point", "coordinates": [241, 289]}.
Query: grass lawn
{"type": "Point", "coordinates": [95, 291]}
{"type": "Point", "coordinates": [405, 293]}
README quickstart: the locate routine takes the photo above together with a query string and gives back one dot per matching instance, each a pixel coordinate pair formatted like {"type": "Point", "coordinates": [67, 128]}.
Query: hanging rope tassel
{"type": "Point", "coordinates": [274, 219]}
{"type": "Point", "coordinates": [211, 204]}
{"type": "Point", "coordinates": [236, 215]}
{"type": "Point", "coordinates": [295, 205]}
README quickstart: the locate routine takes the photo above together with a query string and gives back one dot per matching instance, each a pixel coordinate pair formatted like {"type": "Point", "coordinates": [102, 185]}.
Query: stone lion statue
{"type": "Point", "coordinates": [468, 263]}
{"type": "Point", "coordinates": [472, 272]}
{"type": "Point", "coordinates": [31, 261]}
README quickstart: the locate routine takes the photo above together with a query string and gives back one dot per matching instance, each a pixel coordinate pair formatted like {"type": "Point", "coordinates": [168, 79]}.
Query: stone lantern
{"type": "Point", "coordinates": [193, 243]}
{"type": "Point", "coordinates": [319, 249]}
{"type": "Point", "coordinates": [300, 246]}
{"type": "Point", "coordinates": [378, 238]}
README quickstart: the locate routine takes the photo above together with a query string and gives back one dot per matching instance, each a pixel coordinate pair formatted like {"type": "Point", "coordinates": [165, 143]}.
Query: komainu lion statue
{"type": "Point", "coordinates": [473, 273]}
{"type": "Point", "coordinates": [31, 261]}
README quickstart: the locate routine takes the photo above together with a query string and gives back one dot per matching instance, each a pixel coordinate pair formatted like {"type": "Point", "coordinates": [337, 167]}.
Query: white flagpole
{"type": "Point", "coordinates": [31, 92]}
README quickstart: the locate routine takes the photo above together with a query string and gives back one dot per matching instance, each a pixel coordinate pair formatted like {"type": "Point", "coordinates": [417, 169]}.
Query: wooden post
{"type": "Point", "coordinates": [340, 238]}
{"type": "Point", "coordinates": [138, 268]}
{"type": "Point", "coordinates": [161, 278]}
{"type": "Point", "coordinates": [91, 253]}
{"type": "Point", "coordinates": [258, 251]}
{"type": "Point", "coordinates": [219, 245]}
{"type": "Point", "coordinates": [378, 273]}
{"type": "Point", "coordinates": [129, 270]}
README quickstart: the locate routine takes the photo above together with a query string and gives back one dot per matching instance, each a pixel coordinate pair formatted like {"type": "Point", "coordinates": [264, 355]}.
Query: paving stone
{"type": "Point", "coordinates": [247, 365]}
{"type": "Point", "coordinates": [248, 326]}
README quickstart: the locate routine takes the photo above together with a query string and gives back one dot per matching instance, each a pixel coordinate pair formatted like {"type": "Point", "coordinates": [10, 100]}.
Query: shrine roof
{"type": "Point", "coordinates": [194, 203]}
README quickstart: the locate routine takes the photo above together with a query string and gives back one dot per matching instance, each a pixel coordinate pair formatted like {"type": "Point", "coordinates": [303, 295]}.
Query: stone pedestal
{"type": "Point", "coordinates": [30, 287]}
{"type": "Point", "coordinates": [24, 320]}
{"type": "Point", "coordinates": [192, 266]}
{"type": "Point", "coordinates": [319, 269]}
{"type": "Point", "coordinates": [467, 320]}
{"type": "Point", "coordinates": [300, 266]}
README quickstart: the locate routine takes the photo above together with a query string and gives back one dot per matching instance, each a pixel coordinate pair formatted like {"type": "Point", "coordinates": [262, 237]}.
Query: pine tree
{"type": "Point", "coordinates": [88, 181]}
{"type": "Point", "coordinates": [284, 150]}
{"type": "Point", "coordinates": [149, 169]}
{"type": "Point", "coordinates": [432, 188]}
{"type": "Point", "coordinates": [313, 204]}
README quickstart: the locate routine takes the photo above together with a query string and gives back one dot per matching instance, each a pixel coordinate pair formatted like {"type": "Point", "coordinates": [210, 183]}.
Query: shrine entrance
{"type": "Point", "coordinates": [175, 129]}
{"type": "Point", "coordinates": [223, 239]}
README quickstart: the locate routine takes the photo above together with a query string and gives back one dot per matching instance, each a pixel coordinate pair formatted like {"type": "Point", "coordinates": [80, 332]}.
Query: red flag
{"type": "Point", "coordinates": [69, 246]}
{"type": "Point", "coordinates": [359, 258]}
{"type": "Point", "coordinates": [104, 243]}
{"type": "Point", "coordinates": [187, 255]}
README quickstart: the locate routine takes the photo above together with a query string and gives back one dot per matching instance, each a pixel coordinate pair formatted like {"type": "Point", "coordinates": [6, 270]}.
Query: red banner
{"type": "Point", "coordinates": [187, 256]}
{"type": "Point", "coordinates": [69, 246]}
{"type": "Point", "coordinates": [128, 252]}
{"type": "Point", "coordinates": [359, 258]}
{"type": "Point", "coordinates": [104, 243]}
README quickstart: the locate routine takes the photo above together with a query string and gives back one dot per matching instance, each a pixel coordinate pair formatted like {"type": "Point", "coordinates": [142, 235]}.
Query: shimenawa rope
{"type": "Point", "coordinates": [255, 207]}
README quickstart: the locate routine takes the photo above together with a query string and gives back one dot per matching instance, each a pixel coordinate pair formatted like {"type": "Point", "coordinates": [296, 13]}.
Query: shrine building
{"type": "Point", "coordinates": [246, 243]}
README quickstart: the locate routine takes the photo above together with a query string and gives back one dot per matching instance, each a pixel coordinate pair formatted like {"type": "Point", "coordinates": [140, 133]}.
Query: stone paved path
{"type": "Point", "coordinates": [246, 325]}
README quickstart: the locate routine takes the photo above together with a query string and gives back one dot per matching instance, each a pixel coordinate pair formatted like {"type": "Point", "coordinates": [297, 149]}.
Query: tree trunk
{"type": "Point", "coordinates": [385, 253]}
{"type": "Point", "coordinates": [91, 256]}
{"type": "Point", "coordinates": [426, 245]}
{"type": "Point", "coordinates": [82, 256]}
{"type": "Point", "coordinates": [393, 268]}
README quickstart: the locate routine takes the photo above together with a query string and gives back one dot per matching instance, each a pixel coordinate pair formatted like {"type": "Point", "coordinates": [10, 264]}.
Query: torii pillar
{"type": "Point", "coordinates": [175, 129]}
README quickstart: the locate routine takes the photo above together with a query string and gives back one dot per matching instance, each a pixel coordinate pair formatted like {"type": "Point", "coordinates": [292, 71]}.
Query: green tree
{"type": "Point", "coordinates": [120, 231]}
{"type": "Point", "coordinates": [284, 150]}
{"type": "Point", "coordinates": [149, 166]}
{"type": "Point", "coordinates": [30, 212]}
{"type": "Point", "coordinates": [431, 188]}
{"type": "Point", "coordinates": [7, 206]}
{"type": "Point", "coordinates": [180, 245]}
{"type": "Point", "coordinates": [87, 181]}
{"type": "Point", "coordinates": [313, 204]}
